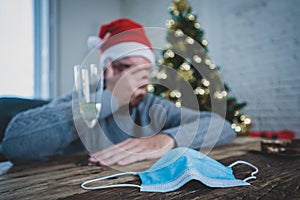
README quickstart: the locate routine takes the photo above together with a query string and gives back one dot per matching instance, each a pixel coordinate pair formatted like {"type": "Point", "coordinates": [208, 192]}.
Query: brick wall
{"type": "Point", "coordinates": [256, 43]}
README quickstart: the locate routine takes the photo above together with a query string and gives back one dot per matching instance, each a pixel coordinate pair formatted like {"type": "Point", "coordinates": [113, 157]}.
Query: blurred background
{"type": "Point", "coordinates": [255, 42]}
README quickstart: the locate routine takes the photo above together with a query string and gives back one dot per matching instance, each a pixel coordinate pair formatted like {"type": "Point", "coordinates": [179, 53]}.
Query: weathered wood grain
{"type": "Point", "coordinates": [60, 178]}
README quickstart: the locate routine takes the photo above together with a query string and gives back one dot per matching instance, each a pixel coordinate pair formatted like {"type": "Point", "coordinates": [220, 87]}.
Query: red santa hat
{"type": "Point", "coordinates": [122, 38]}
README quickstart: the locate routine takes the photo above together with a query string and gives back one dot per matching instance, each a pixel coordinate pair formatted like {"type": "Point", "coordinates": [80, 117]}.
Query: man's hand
{"type": "Point", "coordinates": [133, 150]}
{"type": "Point", "coordinates": [128, 86]}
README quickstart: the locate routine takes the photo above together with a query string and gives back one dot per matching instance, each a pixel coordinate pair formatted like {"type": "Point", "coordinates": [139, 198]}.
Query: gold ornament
{"type": "Point", "coordinates": [215, 75]}
{"type": "Point", "coordinates": [242, 117]}
{"type": "Point", "coordinates": [176, 12]}
{"type": "Point", "coordinates": [180, 46]}
{"type": "Point", "coordinates": [187, 75]}
{"type": "Point", "coordinates": [236, 113]}
{"type": "Point", "coordinates": [180, 5]}
{"type": "Point", "coordinates": [242, 125]}
{"type": "Point", "coordinates": [170, 64]}
{"type": "Point", "coordinates": [165, 95]}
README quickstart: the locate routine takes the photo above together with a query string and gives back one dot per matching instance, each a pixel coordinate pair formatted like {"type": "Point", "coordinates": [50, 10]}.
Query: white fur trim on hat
{"type": "Point", "coordinates": [94, 42]}
{"type": "Point", "coordinates": [126, 49]}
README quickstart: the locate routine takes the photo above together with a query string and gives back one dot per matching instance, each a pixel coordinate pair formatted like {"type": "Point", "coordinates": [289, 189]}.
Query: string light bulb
{"type": "Point", "coordinates": [199, 91]}
{"type": "Point", "coordinates": [205, 82]}
{"type": "Point", "coordinates": [197, 59]}
{"type": "Point", "coordinates": [196, 68]}
{"type": "Point", "coordinates": [208, 62]}
{"type": "Point", "coordinates": [169, 54]}
{"type": "Point", "coordinates": [178, 103]}
{"type": "Point", "coordinates": [212, 66]}
{"type": "Point", "coordinates": [190, 17]}
{"type": "Point", "coordinates": [197, 25]}
{"type": "Point", "coordinates": [204, 42]}
{"type": "Point", "coordinates": [185, 66]}
{"type": "Point", "coordinates": [150, 88]}
{"type": "Point", "coordinates": [178, 33]}
{"type": "Point", "coordinates": [170, 23]}
{"type": "Point", "coordinates": [175, 94]}
{"type": "Point", "coordinates": [162, 75]}
{"type": "Point", "coordinates": [189, 40]}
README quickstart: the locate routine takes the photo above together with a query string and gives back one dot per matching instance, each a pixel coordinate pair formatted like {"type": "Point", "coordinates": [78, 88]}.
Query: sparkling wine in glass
{"type": "Point", "coordinates": [89, 88]}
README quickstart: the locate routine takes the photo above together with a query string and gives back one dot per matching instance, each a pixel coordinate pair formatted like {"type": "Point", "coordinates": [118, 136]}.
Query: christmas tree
{"type": "Point", "coordinates": [186, 71]}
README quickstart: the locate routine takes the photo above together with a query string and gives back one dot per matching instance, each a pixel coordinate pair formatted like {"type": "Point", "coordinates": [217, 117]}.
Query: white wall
{"type": "Point", "coordinates": [255, 42]}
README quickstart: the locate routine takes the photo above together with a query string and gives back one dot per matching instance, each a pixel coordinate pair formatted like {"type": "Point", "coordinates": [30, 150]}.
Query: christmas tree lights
{"type": "Point", "coordinates": [185, 61]}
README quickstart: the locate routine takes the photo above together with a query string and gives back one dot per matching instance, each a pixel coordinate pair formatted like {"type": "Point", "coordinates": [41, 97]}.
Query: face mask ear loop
{"type": "Point", "coordinates": [249, 164]}
{"type": "Point", "coordinates": [109, 186]}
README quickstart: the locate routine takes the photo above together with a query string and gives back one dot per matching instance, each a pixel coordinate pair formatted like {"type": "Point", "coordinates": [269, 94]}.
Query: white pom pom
{"type": "Point", "coordinates": [93, 42]}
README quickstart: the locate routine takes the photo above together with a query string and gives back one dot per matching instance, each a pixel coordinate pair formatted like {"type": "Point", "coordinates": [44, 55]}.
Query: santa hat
{"type": "Point", "coordinates": [122, 38]}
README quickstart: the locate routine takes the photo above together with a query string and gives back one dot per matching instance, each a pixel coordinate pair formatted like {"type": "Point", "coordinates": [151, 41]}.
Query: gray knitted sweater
{"type": "Point", "coordinates": [55, 128]}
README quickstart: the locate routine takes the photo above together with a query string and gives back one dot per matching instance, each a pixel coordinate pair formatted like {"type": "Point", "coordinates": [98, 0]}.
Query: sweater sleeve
{"type": "Point", "coordinates": [39, 133]}
{"type": "Point", "coordinates": [206, 130]}
{"type": "Point", "coordinates": [42, 132]}
{"type": "Point", "coordinates": [189, 128]}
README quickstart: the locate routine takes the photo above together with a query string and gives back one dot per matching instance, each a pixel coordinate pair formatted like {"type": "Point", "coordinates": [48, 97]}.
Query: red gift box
{"type": "Point", "coordinates": [283, 134]}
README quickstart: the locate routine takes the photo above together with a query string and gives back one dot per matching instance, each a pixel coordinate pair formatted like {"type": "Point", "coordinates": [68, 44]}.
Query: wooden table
{"type": "Point", "coordinates": [60, 178]}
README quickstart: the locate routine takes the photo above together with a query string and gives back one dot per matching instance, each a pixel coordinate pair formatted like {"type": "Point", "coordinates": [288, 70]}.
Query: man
{"type": "Point", "coordinates": [138, 125]}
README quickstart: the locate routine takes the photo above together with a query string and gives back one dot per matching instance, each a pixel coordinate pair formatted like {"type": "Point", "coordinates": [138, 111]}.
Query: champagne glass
{"type": "Point", "coordinates": [88, 89]}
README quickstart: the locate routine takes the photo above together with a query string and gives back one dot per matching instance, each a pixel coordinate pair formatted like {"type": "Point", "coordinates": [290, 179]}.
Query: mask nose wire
{"type": "Point", "coordinates": [246, 163]}
{"type": "Point", "coordinates": [83, 185]}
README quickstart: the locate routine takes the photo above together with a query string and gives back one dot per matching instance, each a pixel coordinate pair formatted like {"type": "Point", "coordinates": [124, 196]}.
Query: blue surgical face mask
{"type": "Point", "coordinates": [178, 167]}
